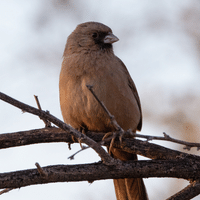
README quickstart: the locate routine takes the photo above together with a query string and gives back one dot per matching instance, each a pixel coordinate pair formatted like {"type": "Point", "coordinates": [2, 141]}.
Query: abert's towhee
{"type": "Point", "coordinates": [89, 60]}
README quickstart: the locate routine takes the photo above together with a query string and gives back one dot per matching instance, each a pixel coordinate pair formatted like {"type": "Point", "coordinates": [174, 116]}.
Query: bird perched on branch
{"type": "Point", "coordinates": [89, 59]}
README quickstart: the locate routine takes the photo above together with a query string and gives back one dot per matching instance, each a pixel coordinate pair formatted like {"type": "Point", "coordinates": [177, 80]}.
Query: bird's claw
{"type": "Point", "coordinates": [113, 136]}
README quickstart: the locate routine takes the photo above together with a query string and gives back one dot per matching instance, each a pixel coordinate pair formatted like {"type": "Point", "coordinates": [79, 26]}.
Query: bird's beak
{"type": "Point", "coordinates": [110, 38]}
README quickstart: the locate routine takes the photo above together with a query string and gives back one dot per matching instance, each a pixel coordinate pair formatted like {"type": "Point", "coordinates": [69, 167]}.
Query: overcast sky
{"type": "Point", "coordinates": [160, 54]}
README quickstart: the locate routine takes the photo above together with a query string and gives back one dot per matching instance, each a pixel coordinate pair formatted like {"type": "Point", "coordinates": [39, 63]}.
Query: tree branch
{"type": "Point", "coordinates": [131, 145]}
{"type": "Point", "coordinates": [112, 117]}
{"type": "Point", "coordinates": [166, 137]}
{"type": "Point", "coordinates": [187, 193]}
{"type": "Point", "coordinates": [106, 158]}
{"type": "Point", "coordinates": [98, 171]}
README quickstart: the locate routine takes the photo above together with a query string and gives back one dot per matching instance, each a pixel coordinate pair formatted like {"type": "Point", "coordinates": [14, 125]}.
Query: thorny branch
{"type": "Point", "coordinates": [173, 164]}
{"type": "Point", "coordinates": [187, 193]}
{"type": "Point", "coordinates": [131, 145]}
{"type": "Point", "coordinates": [106, 158]}
{"type": "Point", "coordinates": [99, 171]}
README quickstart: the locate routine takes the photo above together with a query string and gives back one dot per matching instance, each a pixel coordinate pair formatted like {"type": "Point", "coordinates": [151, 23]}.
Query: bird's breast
{"type": "Point", "coordinates": [80, 108]}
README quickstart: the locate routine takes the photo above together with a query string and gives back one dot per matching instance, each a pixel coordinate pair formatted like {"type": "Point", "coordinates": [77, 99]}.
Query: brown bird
{"type": "Point", "coordinates": [89, 60]}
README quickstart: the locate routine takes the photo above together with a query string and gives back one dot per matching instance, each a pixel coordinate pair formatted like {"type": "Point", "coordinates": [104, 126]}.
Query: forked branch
{"type": "Point", "coordinates": [106, 158]}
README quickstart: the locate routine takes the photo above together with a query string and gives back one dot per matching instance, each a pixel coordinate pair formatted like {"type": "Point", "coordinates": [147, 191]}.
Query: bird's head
{"type": "Point", "coordinates": [90, 36]}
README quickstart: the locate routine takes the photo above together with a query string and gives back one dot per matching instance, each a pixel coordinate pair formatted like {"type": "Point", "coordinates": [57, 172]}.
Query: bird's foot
{"type": "Point", "coordinates": [74, 139]}
{"type": "Point", "coordinates": [112, 136]}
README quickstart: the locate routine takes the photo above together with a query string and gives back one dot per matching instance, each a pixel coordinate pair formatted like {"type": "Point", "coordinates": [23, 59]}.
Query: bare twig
{"type": "Point", "coordinates": [46, 122]}
{"type": "Point", "coordinates": [166, 137]}
{"type": "Point", "coordinates": [82, 148]}
{"type": "Point", "coordinates": [38, 103]}
{"type": "Point", "coordinates": [120, 131]}
{"type": "Point", "coordinates": [112, 118]}
{"type": "Point", "coordinates": [106, 158]}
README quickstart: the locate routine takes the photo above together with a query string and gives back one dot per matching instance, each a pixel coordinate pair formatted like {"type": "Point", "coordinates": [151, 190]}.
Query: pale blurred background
{"type": "Point", "coordinates": [160, 45]}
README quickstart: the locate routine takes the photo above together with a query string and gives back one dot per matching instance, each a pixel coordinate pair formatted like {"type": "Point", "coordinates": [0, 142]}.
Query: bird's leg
{"type": "Point", "coordinates": [74, 140]}
{"type": "Point", "coordinates": [84, 131]}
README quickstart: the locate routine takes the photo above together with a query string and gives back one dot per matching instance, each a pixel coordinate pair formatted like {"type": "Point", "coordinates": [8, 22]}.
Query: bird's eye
{"type": "Point", "coordinates": [95, 35]}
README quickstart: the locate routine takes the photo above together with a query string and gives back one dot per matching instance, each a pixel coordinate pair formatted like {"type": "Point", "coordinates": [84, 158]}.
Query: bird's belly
{"type": "Point", "coordinates": [81, 109]}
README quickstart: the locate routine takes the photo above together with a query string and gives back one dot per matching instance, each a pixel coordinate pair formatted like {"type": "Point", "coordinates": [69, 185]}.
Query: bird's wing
{"type": "Point", "coordinates": [135, 93]}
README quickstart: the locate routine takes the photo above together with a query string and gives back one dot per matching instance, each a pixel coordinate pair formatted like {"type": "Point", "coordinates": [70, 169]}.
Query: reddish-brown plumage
{"type": "Point", "coordinates": [89, 60]}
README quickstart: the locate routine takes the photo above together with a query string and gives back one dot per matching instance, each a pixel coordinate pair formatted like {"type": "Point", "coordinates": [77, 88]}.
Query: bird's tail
{"type": "Point", "coordinates": [128, 188]}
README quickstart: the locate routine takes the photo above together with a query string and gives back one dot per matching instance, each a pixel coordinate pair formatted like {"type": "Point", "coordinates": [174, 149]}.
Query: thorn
{"type": "Point", "coordinates": [149, 138]}
{"type": "Point", "coordinates": [46, 122]}
{"type": "Point", "coordinates": [187, 148]}
{"type": "Point", "coordinates": [166, 136]}
{"type": "Point", "coordinates": [90, 181]}
{"type": "Point", "coordinates": [41, 171]}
